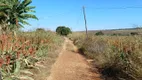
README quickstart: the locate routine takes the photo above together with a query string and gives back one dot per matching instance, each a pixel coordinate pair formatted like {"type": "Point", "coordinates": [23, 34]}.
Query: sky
{"type": "Point", "coordinates": [100, 14]}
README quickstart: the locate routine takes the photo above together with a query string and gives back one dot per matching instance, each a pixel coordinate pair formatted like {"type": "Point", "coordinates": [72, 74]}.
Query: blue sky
{"type": "Point", "coordinates": [53, 13]}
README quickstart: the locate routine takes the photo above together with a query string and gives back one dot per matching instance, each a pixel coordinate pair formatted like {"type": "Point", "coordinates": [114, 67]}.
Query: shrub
{"type": "Point", "coordinates": [40, 29]}
{"type": "Point", "coordinates": [118, 57]}
{"type": "Point", "coordinates": [62, 30]}
{"type": "Point", "coordinates": [119, 34]}
{"type": "Point", "coordinates": [114, 34]}
{"type": "Point", "coordinates": [134, 33]}
{"type": "Point", "coordinates": [99, 33]}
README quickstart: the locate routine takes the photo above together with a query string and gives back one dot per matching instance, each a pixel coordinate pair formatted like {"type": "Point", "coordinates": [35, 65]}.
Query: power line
{"type": "Point", "coordinates": [130, 7]}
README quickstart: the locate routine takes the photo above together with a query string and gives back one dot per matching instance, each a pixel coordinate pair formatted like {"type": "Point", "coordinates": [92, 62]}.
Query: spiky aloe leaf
{"type": "Point", "coordinates": [7, 79]}
{"type": "Point", "coordinates": [26, 61]}
{"type": "Point", "coordinates": [25, 78]}
{"type": "Point", "coordinates": [26, 72]}
{"type": "Point", "coordinates": [11, 78]}
{"type": "Point", "coordinates": [17, 67]}
{"type": "Point", "coordinates": [35, 67]}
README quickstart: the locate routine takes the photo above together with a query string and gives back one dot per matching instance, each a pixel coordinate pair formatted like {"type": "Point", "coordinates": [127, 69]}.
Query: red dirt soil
{"type": "Point", "coordinates": [70, 65]}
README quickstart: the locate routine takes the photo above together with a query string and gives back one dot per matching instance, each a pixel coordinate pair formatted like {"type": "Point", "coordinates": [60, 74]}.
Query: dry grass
{"type": "Point", "coordinates": [119, 57]}
{"type": "Point", "coordinates": [47, 53]}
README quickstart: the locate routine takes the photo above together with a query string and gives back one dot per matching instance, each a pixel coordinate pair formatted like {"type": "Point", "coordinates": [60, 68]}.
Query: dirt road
{"type": "Point", "coordinates": [70, 65]}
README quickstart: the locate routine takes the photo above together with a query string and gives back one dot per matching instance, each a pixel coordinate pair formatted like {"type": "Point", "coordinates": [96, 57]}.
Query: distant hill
{"type": "Point", "coordinates": [125, 31]}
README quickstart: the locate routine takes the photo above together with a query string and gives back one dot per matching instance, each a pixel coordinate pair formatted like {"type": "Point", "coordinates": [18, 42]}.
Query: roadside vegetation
{"type": "Point", "coordinates": [19, 54]}
{"type": "Point", "coordinates": [24, 55]}
{"type": "Point", "coordinates": [30, 55]}
{"type": "Point", "coordinates": [116, 57]}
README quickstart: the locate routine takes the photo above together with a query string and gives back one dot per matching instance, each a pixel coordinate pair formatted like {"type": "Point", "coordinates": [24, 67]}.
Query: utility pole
{"type": "Point", "coordinates": [85, 21]}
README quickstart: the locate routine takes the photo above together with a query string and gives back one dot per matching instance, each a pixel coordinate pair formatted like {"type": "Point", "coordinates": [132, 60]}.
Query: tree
{"type": "Point", "coordinates": [99, 33]}
{"type": "Point", "coordinates": [40, 29]}
{"type": "Point", "coordinates": [62, 30]}
{"type": "Point", "coordinates": [134, 33]}
{"type": "Point", "coordinates": [16, 12]}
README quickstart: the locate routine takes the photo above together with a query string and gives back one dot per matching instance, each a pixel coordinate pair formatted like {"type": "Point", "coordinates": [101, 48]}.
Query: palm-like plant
{"type": "Point", "coordinates": [16, 12]}
{"type": "Point", "coordinates": [3, 13]}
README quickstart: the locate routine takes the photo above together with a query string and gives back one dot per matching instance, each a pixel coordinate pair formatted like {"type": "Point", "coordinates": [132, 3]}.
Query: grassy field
{"type": "Point", "coordinates": [24, 54]}
{"type": "Point", "coordinates": [124, 32]}
{"type": "Point", "coordinates": [116, 57]}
